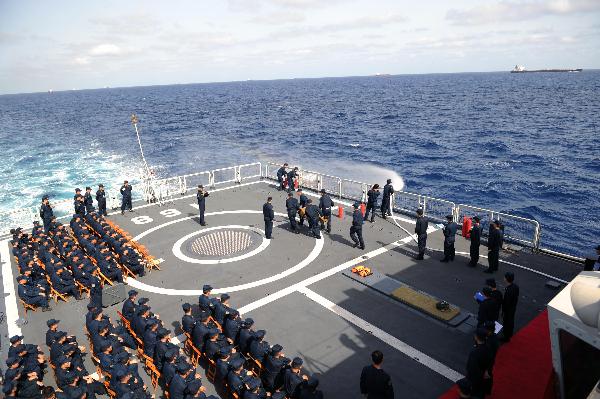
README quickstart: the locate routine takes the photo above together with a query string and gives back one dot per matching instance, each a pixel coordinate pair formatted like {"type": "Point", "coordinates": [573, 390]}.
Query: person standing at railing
{"type": "Point", "coordinates": [101, 200]}
{"type": "Point", "coordinates": [449, 237]}
{"type": "Point", "coordinates": [372, 196]}
{"type": "Point", "coordinates": [126, 193]}
{"type": "Point", "coordinates": [494, 246]}
{"type": "Point", "coordinates": [386, 201]}
{"type": "Point", "coordinates": [268, 216]}
{"type": "Point", "coordinates": [201, 197]}
{"type": "Point", "coordinates": [46, 213]}
{"type": "Point", "coordinates": [421, 231]}
{"type": "Point", "coordinates": [88, 201]}
{"type": "Point", "coordinates": [325, 205]}
{"type": "Point", "coordinates": [475, 237]}
{"type": "Point", "coordinates": [291, 176]}
{"type": "Point", "coordinates": [282, 176]}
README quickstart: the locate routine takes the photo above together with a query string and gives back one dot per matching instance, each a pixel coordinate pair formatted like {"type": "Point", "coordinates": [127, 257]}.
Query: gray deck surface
{"type": "Point", "coordinates": [330, 345]}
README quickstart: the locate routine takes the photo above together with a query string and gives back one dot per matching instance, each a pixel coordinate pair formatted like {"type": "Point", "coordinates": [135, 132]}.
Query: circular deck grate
{"type": "Point", "coordinates": [221, 243]}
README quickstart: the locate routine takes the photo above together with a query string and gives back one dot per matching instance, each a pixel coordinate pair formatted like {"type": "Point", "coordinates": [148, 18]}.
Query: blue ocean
{"type": "Point", "coordinates": [525, 144]}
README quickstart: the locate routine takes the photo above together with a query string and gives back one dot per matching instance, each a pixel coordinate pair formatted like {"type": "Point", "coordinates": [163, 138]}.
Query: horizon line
{"type": "Point", "coordinates": [377, 75]}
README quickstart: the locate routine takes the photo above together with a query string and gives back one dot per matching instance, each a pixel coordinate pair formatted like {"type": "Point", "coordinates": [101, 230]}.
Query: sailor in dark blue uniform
{"type": "Point", "coordinates": [356, 228]}
{"type": "Point", "coordinates": [309, 390]}
{"type": "Point", "coordinates": [273, 366]}
{"type": "Point", "coordinates": [149, 338]}
{"type": "Point", "coordinates": [303, 199]}
{"type": "Point", "coordinates": [88, 201]}
{"type": "Point", "coordinates": [258, 346]}
{"type": "Point", "coordinates": [205, 301]}
{"type": "Point", "coordinates": [222, 309]}
{"type": "Point", "coordinates": [268, 216]}
{"type": "Point", "coordinates": [449, 231]}
{"type": "Point", "coordinates": [200, 331]}
{"type": "Point", "coordinates": [281, 176]}
{"type": "Point", "coordinates": [291, 176]}
{"type": "Point", "coordinates": [313, 214]}
{"type": "Point", "coordinates": [32, 295]}
{"type": "Point", "coordinates": [292, 207]}
{"type": "Point", "coordinates": [101, 200]}
{"type": "Point", "coordinates": [245, 336]}
{"type": "Point", "coordinates": [187, 321]}
{"type": "Point", "coordinates": [232, 325]}
{"type": "Point", "coordinates": [494, 246]}
{"type": "Point", "coordinates": [126, 193]}
{"type": "Point", "coordinates": [223, 365]}
{"type": "Point", "coordinates": [375, 383]}
{"type": "Point", "coordinates": [293, 380]}
{"type": "Point", "coordinates": [63, 282]}
{"type": "Point", "coordinates": [421, 232]}
{"type": "Point", "coordinates": [79, 205]}
{"type": "Point", "coordinates": [109, 268]}
{"type": "Point", "coordinates": [372, 196]}
{"type": "Point", "coordinates": [325, 205]}
{"type": "Point", "coordinates": [237, 376]}
{"type": "Point", "coordinates": [46, 213]}
{"type": "Point", "coordinates": [201, 197]}
{"type": "Point", "coordinates": [386, 201]}
{"type": "Point", "coordinates": [129, 306]}
{"type": "Point", "coordinates": [475, 237]}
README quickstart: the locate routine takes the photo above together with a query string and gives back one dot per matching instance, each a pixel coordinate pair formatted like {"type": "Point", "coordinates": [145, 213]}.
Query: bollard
{"type": "Point", "coordinates": [340, 211]}
{"type": "Point", "coordinates": [363, 208]}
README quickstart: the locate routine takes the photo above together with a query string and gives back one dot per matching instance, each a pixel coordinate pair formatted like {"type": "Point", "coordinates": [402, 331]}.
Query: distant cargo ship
{"type": "Point", "coordinates": [521, 69]}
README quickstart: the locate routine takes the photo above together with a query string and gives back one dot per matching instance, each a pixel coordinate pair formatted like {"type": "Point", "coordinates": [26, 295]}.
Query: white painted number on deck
{"type": "Point", "coordinates": [169, 213]}
{"type": "Point", "coordinates": [142, 219]}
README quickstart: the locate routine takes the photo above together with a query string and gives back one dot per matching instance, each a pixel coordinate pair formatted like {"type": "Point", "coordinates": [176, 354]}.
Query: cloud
{"type": "Point", "coordinates": [105, 49]}
{"type": "Point", "coordinates": [130, 25]}
{"type": "Point", "coordinates": [519, 10]}
{"type": "Point", "coordinates": [367, 22]}
{"type": "Point", "coordinates": [279, 18]}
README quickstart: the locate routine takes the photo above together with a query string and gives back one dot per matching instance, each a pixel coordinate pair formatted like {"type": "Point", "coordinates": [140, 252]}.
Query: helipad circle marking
{"type": "Point", "coordinates": [170, 291]}
{"type": "Point", "coordinates": [179, 254]}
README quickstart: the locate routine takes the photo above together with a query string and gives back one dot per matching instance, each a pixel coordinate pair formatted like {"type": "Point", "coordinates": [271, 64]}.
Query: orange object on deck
{"type": "Point", "coordinates": [296, 184]}
{"type": "Point", "coordinates": [466, 227]}
{"type": "Point", "coordinates": [340, 212]}
{"type": "Point", "coordinates": [363, 208]}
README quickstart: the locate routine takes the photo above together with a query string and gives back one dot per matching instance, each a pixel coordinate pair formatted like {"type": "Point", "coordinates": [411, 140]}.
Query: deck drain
{"type": "Point", "coordinates": [220, 243]}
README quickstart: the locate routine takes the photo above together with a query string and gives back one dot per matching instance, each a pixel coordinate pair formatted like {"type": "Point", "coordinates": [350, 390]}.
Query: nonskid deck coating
{"type": "Point", "coordinates": [293, 288]}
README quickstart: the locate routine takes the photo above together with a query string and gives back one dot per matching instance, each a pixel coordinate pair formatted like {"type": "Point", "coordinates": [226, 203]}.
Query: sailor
{"type": "Point", "coordinates": [258, 346]}
{"type": "Point", "coordinates": [281, 176]}
{"type": "Point", "coordinates": [187, 321]}
{"type": "Point", "coordinates": [131, 259]}
{"type": "Point", "coordinates": [32, 295]}
{"type": "Point", "coordinates": [205, 301]}
{"type": "Point", "coordinates": [101, 200]}
{"type": "Point", "coordinates": [509, 306]}
{"type": "Point", "coordinates": [493, 344]}
{"type": "Point", "coordinates": [126, 193]}
{"type": "Point", "coordinates": [325, 204]}
{"type": "Point", "coordinates": [79, 205]}
{"type": "Point", "coordinates": [291, 176]}
{"type": "Point", "coordinates": [292, 207]}
{"type": "Point", "coordinates": [303, 199]}
{"type": "Point", "coordinates": [88, 201]}
{"type": "Point", "coordinates": [77, 193]}
{"type": "Point", "coordinates": [63, 282]}
{"type": "Point", "coordinates": [201, 197]}
{"type": "Point", "coordinates": [200, 331]}
{"type": "Point", "coordinates": [46, 213]}
{"type": "Point", "coordinates": [356, 228]}
{"type": "Point", "coordinates": [386, 201]}
{"type": "Point", "coordinates": [312, 214]}
{"type": "Point", "coordinates": [310, 391]}
{"type": "Point", "coordinates": [109, 268]}
{"type": "Point", "coordinates": [232, 325]}
{"type": "Point", "coordinates": [478, 364]}
{"type": "Point", "coordinates": [475, 241]}
{"type": "Point", "coordinates": [374, 382]}
{"type": "Point", "coordinates": [245, 336]}
{"type": "Point", "coordinates": [237, 376]}
{"type": "Point", "coordinates": [150, 338]}
{"type": "Point", "coordinates": [169, 367]}
{"type": "Point", "coordinates": [162, 347]}
{"type": "Point", "coordinates": [129, 306]}
{"type": "Point", "coordinates": [222, 308]}
{"type": "Point", "coordinates": [487, 307]}
{"type": "Point", "coordinates": [268, 216]}
{"type": "Point", "coordinates": [273, 366]}
{"type": "Point", "coordinates": [494, 246]}
{"type": "Point", "coordinates": [449, 231]}
{"type": "Point", "coordinates": [495, 295]}
{"type": "Point", "coordinates": [292, 379]}
{"type": "Point", "coordinates": [223, 365]}
{"type": "Point", "coordinates": [372, 196]}
{"type": "Point", "coordinates": [421, 232]}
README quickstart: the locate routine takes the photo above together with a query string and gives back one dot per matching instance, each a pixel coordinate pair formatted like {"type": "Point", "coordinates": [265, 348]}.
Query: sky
{"type": "Point", "coordinates": [64, 45]}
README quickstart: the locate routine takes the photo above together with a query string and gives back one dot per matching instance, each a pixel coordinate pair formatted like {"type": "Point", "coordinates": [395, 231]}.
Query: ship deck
{"type": "Point", "coordinates": [293, 287]}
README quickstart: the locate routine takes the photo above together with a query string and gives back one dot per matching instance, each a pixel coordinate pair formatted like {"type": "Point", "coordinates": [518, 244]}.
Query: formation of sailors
{"type": "Point", "coordinates": [245, 362]}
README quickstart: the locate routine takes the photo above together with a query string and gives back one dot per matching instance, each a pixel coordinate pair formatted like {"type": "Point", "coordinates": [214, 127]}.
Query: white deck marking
{"type": "Point", "coordinates": [177, 246]}
{"type": "Point", "coordinates": [8, 285]}
{"type": "Point", "coordinates": [394, 342]}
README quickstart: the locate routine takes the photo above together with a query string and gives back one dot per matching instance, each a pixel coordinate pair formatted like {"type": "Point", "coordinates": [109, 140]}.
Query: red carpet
{"type": "Point", "coordinates": [523, 367]}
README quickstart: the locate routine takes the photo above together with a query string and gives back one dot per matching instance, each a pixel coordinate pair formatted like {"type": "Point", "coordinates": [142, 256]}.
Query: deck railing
{"type": "Point", "coordinates": [517, 229]}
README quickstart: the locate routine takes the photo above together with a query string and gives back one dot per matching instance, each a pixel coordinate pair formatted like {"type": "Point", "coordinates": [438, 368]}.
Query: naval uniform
{"type": "Point", "coordinates": [312, 214]}
{"type": "Point", "coordinates": [292, 174]}
{"type": "Point", "coordinates": [509, 308]}
{"type": "Point", "coordinates": [201, 197]}
{"type": "Point", "coordinates": [372, 196]}
{"type": "Point", "coordinates": [325, 204]}
{"type": "Point", "coordinates": [386, 201]}
{"type": "Point", "coordinates": [494, 245]}
{"type": "Point", "coordinates": [268, 216]}
{"type": "Point", "coordinates": [421, 231]}
{"type": "Point", "coordinates": [46, 213]}
{"type": "Point", "coordinates": [88, 202]}
{"type": "Point", "coordinates": [478, 363]}
{"type": "Point", "coordinates": [303, 203]}
{"type": "Point", "coordinates": [291, 205]}
{"type": "Point", "coordinates": [376, 383]}
{"type": "Point", "coordinates": [449, 238]}
{"type": "Point", "coordinates": [356, 229]}
{"type": "Point", "coordinates": [101, 200]}
{"type": "Point", "coordinates": [281, 177]}
{"type": "Point", "coordinates": [126, 202]}
{"type": "Point", "coordinates": [475, 242]}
